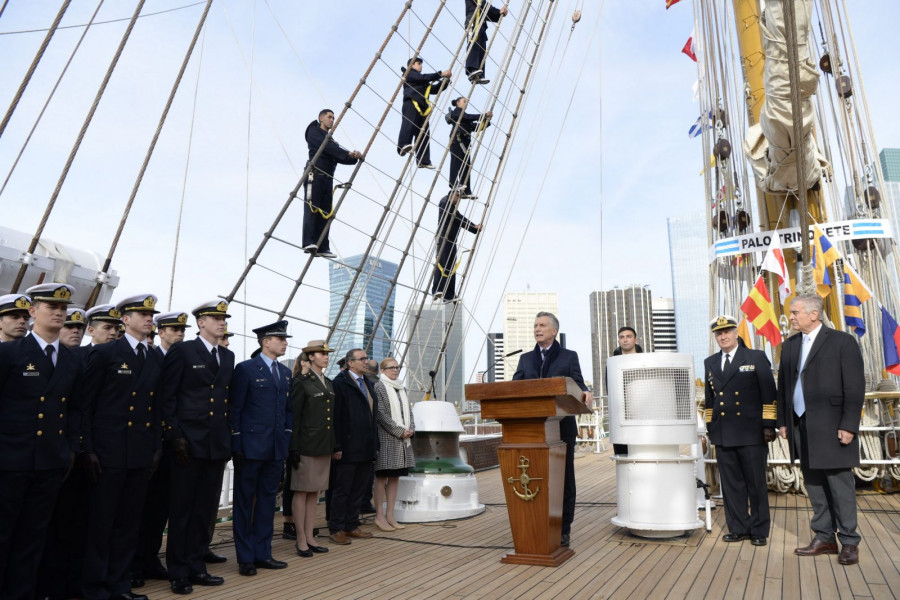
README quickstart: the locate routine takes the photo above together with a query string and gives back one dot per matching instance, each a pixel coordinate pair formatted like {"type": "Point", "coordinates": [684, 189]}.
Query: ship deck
{"type": "Point", "coordinates": [461, 559]}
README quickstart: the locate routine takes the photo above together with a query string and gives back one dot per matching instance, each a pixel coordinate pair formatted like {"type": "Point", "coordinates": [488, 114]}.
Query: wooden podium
{"type": "Point", "coordinates": [532, 460]}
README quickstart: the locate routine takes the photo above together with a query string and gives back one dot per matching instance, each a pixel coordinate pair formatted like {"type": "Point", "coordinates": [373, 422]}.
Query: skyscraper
{"type": "Point", "coordinates": [611, 310]}
{"type": "Point", "coordinates": [425, 350]}
{"type": "Point", "coordinates": [356, 328]}
{"type": "Point", "coordinates": [664, 337]}
{"type": "Point", "coordinates": [690, 285]}
{"type": "Point", "coordinates": [519, 310]}
{"type": "Point", "coordinates": [494, 366]}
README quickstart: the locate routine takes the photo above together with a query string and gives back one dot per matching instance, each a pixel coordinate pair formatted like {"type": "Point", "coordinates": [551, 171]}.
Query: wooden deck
{"type": "Point", "coordinates": [462, 559]}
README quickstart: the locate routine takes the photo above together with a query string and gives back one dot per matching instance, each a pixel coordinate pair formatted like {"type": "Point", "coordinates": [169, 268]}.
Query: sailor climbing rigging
{"type": "Point", "coordinates": [318, 190]}
{"type": "Point", "coordinates": [451, 221]}
{"type": "Point", "coordinates": [417, 104]}
{"type": "Point", "coordinates": [476, 24]}
{"type": "Point", "coordinates": [460, 143]}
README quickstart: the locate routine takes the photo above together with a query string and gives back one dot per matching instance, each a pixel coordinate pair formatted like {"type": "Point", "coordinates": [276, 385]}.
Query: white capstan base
{"type": "Point", "coordinates": [429, 498]}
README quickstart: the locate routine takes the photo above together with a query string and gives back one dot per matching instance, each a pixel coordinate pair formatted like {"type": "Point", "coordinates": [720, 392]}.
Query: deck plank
{"type": "Point", "coordinates": [461, 559]}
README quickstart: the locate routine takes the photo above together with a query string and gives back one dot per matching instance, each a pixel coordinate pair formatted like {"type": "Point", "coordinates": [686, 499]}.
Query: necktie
{"type": "Point", "coordinates": [141, 357]}
{"type": "Point", "coordinates": [362, 387]}
{"type": "Point", "coordinates": [214, 365]}
{"type": "Point", "coordinates": [49, 350]}
{"type": "Point", "coordinates": [799, 402]}
{"type": "Point", "coordinates": [727, 361]}
{"type": "Point", "coordinates": [275, 370]}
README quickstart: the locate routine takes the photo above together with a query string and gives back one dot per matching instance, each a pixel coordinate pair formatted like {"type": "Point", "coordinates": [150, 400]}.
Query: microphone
{"type": "Point", "coordinates": [493, 364]}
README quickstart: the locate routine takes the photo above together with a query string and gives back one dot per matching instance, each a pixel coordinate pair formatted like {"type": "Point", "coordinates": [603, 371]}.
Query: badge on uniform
{"type": "Point", "coordinates": [199, 366]}
{"type": "Point", "coordinates": [745, 368]}
{"type": "Point", "coordinates": [29, 371]}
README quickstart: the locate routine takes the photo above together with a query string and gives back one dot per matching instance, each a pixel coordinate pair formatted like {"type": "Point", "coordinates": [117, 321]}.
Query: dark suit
{"type": "Point", "coordinates": [478, 38]}
{"type": "Point", "coordinates": [261, 420]}
{"type": "Point", "coordinates": [194, 401]}
{"type": "Point", "coordinates": [833, 390]}
{"type": "Point", "coordinates": [155, 513]}
{"type": "Point", "coordinates": [39, 430]}
{"type": "Point", "coordinates": [356, 437]}
{"type": "Point", "coordinates": [121, 426]}
{"type": "Point", "coordinates": [739, 403]}
{"type": "Point", "coordinates": [320, 191]}
{"type": "Point", "coordinates": [450, 222]}
{"type": "Point", "coordinates": [558, 362]}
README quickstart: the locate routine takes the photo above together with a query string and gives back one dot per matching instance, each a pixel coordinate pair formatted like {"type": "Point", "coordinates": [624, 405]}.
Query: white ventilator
{"type": "Point", "coordinates": [652, 410]}
{"type": "Point", "coordinates": [441, 487]}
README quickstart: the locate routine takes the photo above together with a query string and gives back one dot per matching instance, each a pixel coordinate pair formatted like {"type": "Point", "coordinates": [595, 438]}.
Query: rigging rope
{"type": "Point", "coordinates": [101, 277]}
{"type": "Point", "coordinates": [40, 116]}
{"type": "Point", "coordinates": [34, 64]}
{"type": "Point", "coordinates": [151, 14]}
{"type": "Point", "coordinates": [29, 256]}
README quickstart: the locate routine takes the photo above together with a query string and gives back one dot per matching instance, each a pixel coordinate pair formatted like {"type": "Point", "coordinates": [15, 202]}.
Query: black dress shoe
{"type": "Point", "coordinates": [211, 558]}
{"type": "Point", "coordinates": [318, 549]}
{"type": "Point", "coordinates": [128, 596]}
{"type": "Point", "coordinates": [289, 532]}
{"type": "Point", "coordinates": [564, 540]}
{"type": "Point", "coordinates": [304, 553]}
{"type": "Point", "coordinates": [181, 586]}
{"type": "Point", "coordinates": [246, 569]}
{"type": "Point", "coordinates": [138, 582]}
{"type": "Point", "coordinates": [271, 563]}
{"type": "Point", "coordinates": [206, 579]}
{"type": "Point", "coordinates": [735, 537]}
{"type": "Point", "coordinates": [758, 541]}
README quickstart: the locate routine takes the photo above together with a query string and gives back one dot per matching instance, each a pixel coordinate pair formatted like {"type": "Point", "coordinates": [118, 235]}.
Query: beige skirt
{"type": "Point", "coordinates": [312, 474]}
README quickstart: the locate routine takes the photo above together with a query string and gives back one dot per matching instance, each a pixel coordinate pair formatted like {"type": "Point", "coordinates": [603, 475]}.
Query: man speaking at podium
{"type": "Point", "coordinates": [549, 359]}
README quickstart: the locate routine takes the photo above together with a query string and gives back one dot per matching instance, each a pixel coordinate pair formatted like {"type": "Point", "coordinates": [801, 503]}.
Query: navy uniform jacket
{"type": "Point", "coordinates": [120, 422]}
{"type": "Point", "coordinates": [741, 401]}
{"type": "Point", "coordinates": [493, 15]}
{"type": "Point", "coordinates": [261, 416]}
{"type": "Point", "coordinates": [194, 400]}
{"type": "Point", "coordinates": [834, 390]}
{"type": "Point", "coordinates": [331, 156]}
{"type": "Point", "coordinates": [356, 429]}
{"type": "Point", "coordinates": [449, 223]}
{"type": "Point", "coordinates": [39, 422]}
{"type": "Point", "coordinates": [467, 125]}
{"type": "Point", "coordinates": [416, 86]}
{"type": "Point", "coordinates": [563, 363]}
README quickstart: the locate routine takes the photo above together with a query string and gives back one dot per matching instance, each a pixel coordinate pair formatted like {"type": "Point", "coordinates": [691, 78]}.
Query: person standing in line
{"type": "Point", "coordinates": [194, 400]}
{"type": "Point", "coordinates": [122, 447]}
{"type": "Point", "coordinates": [395, 430]}
{"type": "Point", "coordinates": [261, 420]}
{"type": "Point", "coordinates": [73, 331]}
{"type": "Point", "coordinates": [289, 530]}
{"type": "Point", "coordinates": [102, 325]}
{"type": "Point", "coordinates": [355, 449]}
{"type": "Point", "coordinates": [821, 390]}
{"type": "Point", "coordinates": [319, 188]}
{"type": "Point", "coordinates": [312, 443]}
{"type": "Point", "coordinates": [628, 344]}
{"type": "Point", "coordinates": [14, 316]}
{"type": "Point", "coordinates": [739, 410]}
{"type": "Point", "coordinates": [549, 359]}
{"type": "Point", "coordinates": [39, 438]}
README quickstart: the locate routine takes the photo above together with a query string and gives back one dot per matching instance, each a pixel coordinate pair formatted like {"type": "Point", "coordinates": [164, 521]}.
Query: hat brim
{"type": "Point", "coordinates": [320, 349]}
{"type": "Point", "coordinates": [723, 327]}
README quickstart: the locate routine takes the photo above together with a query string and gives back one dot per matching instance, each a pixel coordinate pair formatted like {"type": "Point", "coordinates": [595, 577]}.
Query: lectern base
{"type": "Point", "coordinates": [554, 559]}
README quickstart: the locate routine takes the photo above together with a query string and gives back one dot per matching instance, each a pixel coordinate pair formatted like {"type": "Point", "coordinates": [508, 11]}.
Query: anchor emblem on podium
{"type": "Point", "coordinates": [524, 479]}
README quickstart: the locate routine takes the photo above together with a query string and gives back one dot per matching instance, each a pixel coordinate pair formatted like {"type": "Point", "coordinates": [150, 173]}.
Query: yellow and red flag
{"type": "Point", "coordinates": [743, 331]}
{"type": "Point", "coordinates": [671, 3]}
{"type": "Point", "coordinates": [823, 255]}
{"type": "Point", "coordinates": [759, 310]}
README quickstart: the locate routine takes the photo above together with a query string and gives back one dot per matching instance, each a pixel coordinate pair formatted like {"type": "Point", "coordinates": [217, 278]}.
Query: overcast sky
{"type": "Point", "coordinates": [624, 161]}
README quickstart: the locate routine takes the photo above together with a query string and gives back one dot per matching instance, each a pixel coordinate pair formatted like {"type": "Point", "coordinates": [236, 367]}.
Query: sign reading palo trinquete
{"type": "Point", "coordinates": [790, 238]}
